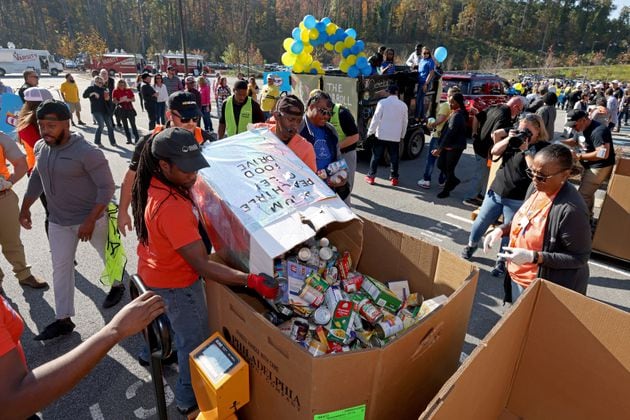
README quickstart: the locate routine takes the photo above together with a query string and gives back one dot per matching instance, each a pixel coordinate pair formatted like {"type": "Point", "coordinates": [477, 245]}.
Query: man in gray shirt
{"type": "Point", "coordinates": [78, 184]}
{"type": "Point", "coordinates": [171, 81]}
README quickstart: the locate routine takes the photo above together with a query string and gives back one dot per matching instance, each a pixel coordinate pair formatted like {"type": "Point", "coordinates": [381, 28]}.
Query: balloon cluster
{"type": "Point", "coordinates": [312, 33]}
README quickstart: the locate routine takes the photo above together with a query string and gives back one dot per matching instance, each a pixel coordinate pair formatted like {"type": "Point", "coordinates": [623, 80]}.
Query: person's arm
{"type": "Point", "coordinates": [600, 143]}
{"type": "Point", "coordinates": [63, 93]}
{"type": "Point", "coordinates": [428, 81]}
{"type": "Point", "coordinates": [376, 119]}
{"type": "Point", "coordinates": [34, 190]}
{"type": "Point", "coordinates": [349, 128]}
{"type": "Point", "coordinates": [20, 167]}
{"type": "Point", "coordinates": [24, 392]}
{"type": "Point", "coordinates": [500, 138]}
{"type": "Point", "coordinates": [257, 112]}
{"type": "Point", "coordinates": [97, 168]}
{"type": "Point", "coordinates": [222, 121]}
{"type": "Point", "coordinates": [124, 220]}
{"type": "Point", "coordinates": [13, 154]}
{"type": "Point", "coordinates": [409, 61]}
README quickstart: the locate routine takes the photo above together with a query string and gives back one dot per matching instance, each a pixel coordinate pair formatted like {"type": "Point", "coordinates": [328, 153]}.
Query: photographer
{"type": "Point", "coordinates": [515, 149]}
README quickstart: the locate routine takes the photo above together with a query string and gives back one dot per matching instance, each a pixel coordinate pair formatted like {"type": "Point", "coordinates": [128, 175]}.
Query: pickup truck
{"type": "Point", "coordinates": [360, 96]}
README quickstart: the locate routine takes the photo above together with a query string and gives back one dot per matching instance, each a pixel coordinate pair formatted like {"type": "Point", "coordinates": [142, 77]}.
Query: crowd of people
{"type": "Point", "coordinates": [545, 228]}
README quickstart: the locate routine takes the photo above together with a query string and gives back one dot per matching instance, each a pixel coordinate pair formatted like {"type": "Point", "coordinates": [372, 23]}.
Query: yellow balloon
{"type": "Point", "coordinates": [329, 46]}
{"type": "Point", "coordinates": [305, 59]}
{"type": "Point", "coordinates": [351, 60]}
{"type": "Point", "coordinates": [304, 36]}
{"type": "Point", "coordinates": [308, 48]}
{"type": "Point", "coordinates": [331, 28]}
{"type": "Point", "coordinates": [313, 33]}
{"type": "Point", "coordinates": [344, 66]}
{"type": "Point", "coordinates": [302, 26]}
{"type": "Point", "coordinates": [339, 46]}
{"type": "Point", "coordinates": [287, 44]}
{"type": "Point", "coordinates": [288, 59]}
{"type": "Point", "coordinates": [362, 54]}
{"type": "Point", "coordinates": [349, 42]}
{"type": "Point", "coordinates": [298, 67]}
{"type": "Point", "coordinates": [320, 71]}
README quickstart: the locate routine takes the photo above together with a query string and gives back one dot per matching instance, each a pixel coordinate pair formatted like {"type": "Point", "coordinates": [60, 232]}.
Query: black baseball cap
{"type": "Point", "coordinates": [53, 110]}
{"type": "Point", "coordinates": [180, 147]}
{"type": "Point", "coordinates": [574, 116]}
{"type": "Point", "coordinates": [184, 103]}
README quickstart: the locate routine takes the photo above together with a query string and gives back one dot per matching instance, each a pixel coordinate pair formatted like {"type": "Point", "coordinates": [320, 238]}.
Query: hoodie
{"type": "Point", "coordinates": [74, 177]}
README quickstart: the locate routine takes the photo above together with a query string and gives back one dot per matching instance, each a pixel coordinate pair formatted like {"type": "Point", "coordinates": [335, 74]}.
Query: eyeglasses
{"type": "Point", "coordinates": [291, 116]}
{"type": "Point", "coordinates": [185, 120]}
{"type": "Point", "coordinates": [541, 178]}
{"type": "Point", "coordinates": [325, 112]}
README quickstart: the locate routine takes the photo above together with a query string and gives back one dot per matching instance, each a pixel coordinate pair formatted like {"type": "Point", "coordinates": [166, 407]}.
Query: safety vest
{"type": "Point", "coordinates": [334, 120]}
{"type": "Point", "coordinates": [4, 171]}
{"type": "Point", "coordinates": [246, 117]}
{"type": "Point", "coordinates": [198, 133]}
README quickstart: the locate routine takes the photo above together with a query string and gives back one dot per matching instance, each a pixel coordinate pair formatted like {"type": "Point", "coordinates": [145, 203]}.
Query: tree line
{"type": "Point", "coordinates": [477, 33]}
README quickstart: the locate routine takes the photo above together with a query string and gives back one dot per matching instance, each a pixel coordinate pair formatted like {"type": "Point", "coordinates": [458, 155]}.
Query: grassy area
{"type": "Point", "coordinates": [620, 72]}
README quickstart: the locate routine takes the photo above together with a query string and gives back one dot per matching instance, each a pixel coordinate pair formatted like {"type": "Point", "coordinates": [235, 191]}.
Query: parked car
{"type": "Point", "coordinates": [70, 64]}
{"type": "Point", "coordinates": [480, 90]}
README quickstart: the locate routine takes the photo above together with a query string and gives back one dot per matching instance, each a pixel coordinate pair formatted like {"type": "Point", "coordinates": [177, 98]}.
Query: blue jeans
{"type": "Point", "coordinates": [479, 178]}
{"type": "Point", "coordinates": [187, 312]}
{"type": "Point", "coordinates": [493, 206]}
{"type": "Point", "coordinates": [517, 290]}
{"type": "Point", "coordinates": [428, 169]}
{"type": "Point", "coordinates": [103, 119]}
{"type": "Point", "coordinates": [420, 101]}
{"type": "Point", "coordinates": [160, 113]}
{"type": "Point", "coordinates": [205, 114]}
{"type": "Point", "coordinates": [378, 150]}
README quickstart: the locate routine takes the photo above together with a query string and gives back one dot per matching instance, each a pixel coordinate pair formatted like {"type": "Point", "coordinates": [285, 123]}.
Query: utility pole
{"type": "Point", "coordinates": [183, 33]}
{"type": "Point", "coordinates": [144, 50]}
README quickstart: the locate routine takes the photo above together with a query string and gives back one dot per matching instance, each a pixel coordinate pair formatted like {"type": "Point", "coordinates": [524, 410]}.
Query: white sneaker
{"type": "Point", "coordinates": [424, 184]}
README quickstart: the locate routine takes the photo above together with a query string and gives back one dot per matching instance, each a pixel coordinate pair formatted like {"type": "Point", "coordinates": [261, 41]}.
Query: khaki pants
{"type": "Point", "coordinates": [592, 179]}
{"type": "Point", "coordinates": [10, 241]}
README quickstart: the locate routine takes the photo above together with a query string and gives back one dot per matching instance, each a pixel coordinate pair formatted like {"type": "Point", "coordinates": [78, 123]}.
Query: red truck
{"type": "Point", "coordinates": [195, 62]}
{"type": "Point", "coordinates": [119, 63]}
{"type": "Point", "coordinates": [480, 90]}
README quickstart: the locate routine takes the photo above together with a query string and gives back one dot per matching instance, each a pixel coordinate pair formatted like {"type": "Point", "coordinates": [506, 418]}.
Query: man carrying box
{"type": "Point", "coordinates": [172, 258]}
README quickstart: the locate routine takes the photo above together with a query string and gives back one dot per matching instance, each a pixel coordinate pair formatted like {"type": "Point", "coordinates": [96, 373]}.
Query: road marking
{"type": "Point", "coordinates": [614, 270]}
{"type": "Point", "coordinates": [431, 235]}
{"type": "Point", "coordinates": [95, 411]}
{"type": "Point", "coordinates": [460, 218]}
{"type": "Point", "coordinates": [145, 413]}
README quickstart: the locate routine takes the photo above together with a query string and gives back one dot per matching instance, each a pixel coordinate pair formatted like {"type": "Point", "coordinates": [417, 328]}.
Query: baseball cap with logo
{"type": "Point", "coordinates": [574, 116]}
{"type": "Point", "coordinates": [180, 147]}
{"type": "Point", "coordinates": [184, 103]}
{"type": "Point", "coordinates": [52, 110]}
{"type": "Point", "coordinates": [37, 94]}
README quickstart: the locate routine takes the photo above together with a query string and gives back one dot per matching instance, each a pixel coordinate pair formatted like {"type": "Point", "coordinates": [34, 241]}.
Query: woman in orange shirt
{"type": "Point", "coordinates": [550, 235]}
{"type": "Point", "coordinates": [27, 127]}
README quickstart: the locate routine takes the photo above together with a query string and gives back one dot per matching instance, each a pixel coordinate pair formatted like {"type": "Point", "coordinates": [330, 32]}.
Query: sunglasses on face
{"type": "Point", "coordinates": [541, 178]}
{"type": "Point", "coordinates": [186, 120]}
{"type": "Point", "coordinates": [325, 112]}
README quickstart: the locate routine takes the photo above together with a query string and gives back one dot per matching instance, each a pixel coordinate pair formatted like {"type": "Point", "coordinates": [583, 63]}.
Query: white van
{"type": "Point", "coordinates": [16, 60]}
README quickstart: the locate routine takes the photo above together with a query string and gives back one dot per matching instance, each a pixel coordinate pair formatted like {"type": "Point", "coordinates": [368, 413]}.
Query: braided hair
{"type": "Point", "coordinates": [148, 167]}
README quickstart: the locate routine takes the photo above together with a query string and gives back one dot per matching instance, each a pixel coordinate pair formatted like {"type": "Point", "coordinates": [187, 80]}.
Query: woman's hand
{"type": "Point", "coordinates": [518, 256]}
{"type": "Point", "coordinates": [491, 238]}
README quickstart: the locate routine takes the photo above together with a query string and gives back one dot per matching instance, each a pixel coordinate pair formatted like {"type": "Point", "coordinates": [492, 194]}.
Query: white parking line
{"type": "Point", "coordinates": [460, 218]}
{"type": "Point", "coordinates": [614, 270]}
{"type": "Point", "coordinates": [95, 411]}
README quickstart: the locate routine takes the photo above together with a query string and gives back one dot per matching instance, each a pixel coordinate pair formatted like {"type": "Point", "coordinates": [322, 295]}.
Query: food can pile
{"type": "Point", "coordinates": [327, 307]}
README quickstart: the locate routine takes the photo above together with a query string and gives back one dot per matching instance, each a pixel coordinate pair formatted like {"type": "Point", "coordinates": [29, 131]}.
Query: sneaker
{"type": "Point", "coordinates": [113, 297]}
{"type": "Point", "coordinates": [57, 328]}
{"type": "Point", "coordinates": [499, 269]}
{"type": "Point", "coordinates": [394, 182]}
{"type": "Point", "coordinates": [424, 184]}
{"type": "Point", "coordinates": [473, 202]}
{"type": "Point", "coordinates": [468, 252]}
{"type": "Point", "coordinates": [81, 122]}
{"type": "Point", "coordinates": [170, 360]}
{"type": "Point", "coordinates": [188, 412]}
{"type": "Point", "coordinates": [369, 180]}
{"type": "Point", "coordinates": [443, 194]}
{"type": "Point", "coordinates": [34, 282]}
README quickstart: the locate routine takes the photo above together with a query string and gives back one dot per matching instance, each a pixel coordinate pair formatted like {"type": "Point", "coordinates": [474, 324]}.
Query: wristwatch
{"type": "Point", "coordinates": [536, 257]}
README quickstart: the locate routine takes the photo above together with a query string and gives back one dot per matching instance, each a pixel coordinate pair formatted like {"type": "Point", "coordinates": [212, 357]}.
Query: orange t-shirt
{"type": "Point", "coordinates": [11, 327]}
{"type": "Point", "coordinates": [528, 232]}
{"type": "Point", "coordinates": [172, 222]}
{"type": "Point", "coordinates": [298, 145]}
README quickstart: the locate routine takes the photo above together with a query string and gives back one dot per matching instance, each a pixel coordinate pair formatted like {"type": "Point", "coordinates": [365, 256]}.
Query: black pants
{"type": "Point", "coordinates": [151, 108]}
{"type": "Point", "coordinates": [128, 120]}
{"type": "Point", "coordinates": [447, 162]}
{"type": "Point", "coordinates": [377, 154]}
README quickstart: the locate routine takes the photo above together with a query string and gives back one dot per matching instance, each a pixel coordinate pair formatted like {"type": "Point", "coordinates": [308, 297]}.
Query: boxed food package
{"type": "Point", "coordinates": [290, 381]}
{"type": "Point", "coordinates": [555, 355]}
{"type": "Point", "coordinates": [257, 199]}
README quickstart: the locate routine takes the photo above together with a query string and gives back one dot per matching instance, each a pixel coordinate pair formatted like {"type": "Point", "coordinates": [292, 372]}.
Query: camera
{"type": "Point", "coordinates": [519, 138]}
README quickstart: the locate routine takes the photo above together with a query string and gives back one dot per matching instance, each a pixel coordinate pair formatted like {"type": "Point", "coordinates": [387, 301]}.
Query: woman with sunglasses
{"type": "Point", "coordinates": [160, 107]}
{"type": "Point", "coordinates": [515, 149]}
{"type": "Point", "coordinates": [123, 98]}
{"type": "Point", "coordinates": [550, 235]}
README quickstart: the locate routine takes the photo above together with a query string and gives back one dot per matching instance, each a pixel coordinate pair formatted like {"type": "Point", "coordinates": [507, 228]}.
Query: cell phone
{"type": "Point", "coordinates": [601, 153]}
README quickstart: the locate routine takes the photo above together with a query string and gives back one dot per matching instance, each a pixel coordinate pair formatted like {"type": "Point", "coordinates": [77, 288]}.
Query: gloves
{"type": "Point", "coordinates": [264, 284]}
{"type": "Point", "coordinates": [491, 238]}
{"type": "Point", "coordinates": [518, 256]}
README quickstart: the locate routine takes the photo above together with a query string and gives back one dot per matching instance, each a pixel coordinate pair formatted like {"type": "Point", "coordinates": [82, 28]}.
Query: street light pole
{"type": "Point", "coordinates": [183, 33]}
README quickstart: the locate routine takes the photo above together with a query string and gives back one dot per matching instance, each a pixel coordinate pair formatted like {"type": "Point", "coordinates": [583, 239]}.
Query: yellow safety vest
{"type": "Point", "coordinates": [246, 117]}
{"type": "Point", "coordinates": [334, 120]}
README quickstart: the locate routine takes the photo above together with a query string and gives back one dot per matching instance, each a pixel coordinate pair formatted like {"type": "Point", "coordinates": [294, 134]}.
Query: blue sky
{"type": "Point", "coordinates": [620, 4]}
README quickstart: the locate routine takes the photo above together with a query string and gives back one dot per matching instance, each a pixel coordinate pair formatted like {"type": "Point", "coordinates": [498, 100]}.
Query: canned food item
{"type": "Point", "coordinates": [333, 296]}
{"type": "Point", "coordinates": [352, 283]}
{"type": "Point", "coordinates": [302, 310]}
{"type": "Point", "coordinates": [343, 265]}
{"type": "Point", "coordinates": [299, 330]}
{"type": "Point", "coordinates": [321, 316]}
{"type": "Point", "coordinates": [370, 312]}
{"type": "Point", "coordinates": [317, 282]}
{"type": "Point", "coordinates": [317, 348]}
{"type": "Point", "coordinates": [388, 327]}
{"type": "Point", "coordinates": [332, 275]}
{"type": "Point", "coordinates": [413, 300]}
{"type": "Point", "coordinates": [311, 295]}
{"type": "Point", "coordinates": [321, 334]}
{"type": "Point", "coordinates": [325, 253]}
{"type": "Point", "coordinates": [324, 242]}
{"type": "Point", "coordinates": [304, 254]}
{"type": "Point", "coordinates": [342, 322]}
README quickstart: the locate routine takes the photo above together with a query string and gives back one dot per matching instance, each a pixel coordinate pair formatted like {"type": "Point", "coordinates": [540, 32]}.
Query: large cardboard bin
{"type": "Point", "coordinates": [394, 382]}
{"type": "Point", "coordinates": [613, 226]}
{"type": "Point", "coordinates": [555, 355]}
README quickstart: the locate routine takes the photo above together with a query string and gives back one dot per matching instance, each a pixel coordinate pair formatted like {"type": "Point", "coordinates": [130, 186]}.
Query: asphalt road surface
{"type": "Point", "coordinates": [120, 388]}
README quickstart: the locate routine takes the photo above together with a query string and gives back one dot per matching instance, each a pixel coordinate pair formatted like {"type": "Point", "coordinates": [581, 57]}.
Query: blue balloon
{"type": "Point", "coordinates": [353, 71]}
{"type": "Point", "coordinates": [360, 45]}
{"type": "Point", "coordinates": [346, 52]}
{"type": "Point", "coordinates": [326, 20]}
{"type": "Point", "coordinates": [362, 63]}
{"type": "Point", "coordinates": [320, 26]}
{"type": "Point", "coordinates": [351, 32]}
{"type": "Point", "coordinates": [366, 71]}
{"type": "Point", "coordinates": [297, 47]}
{"type": "Point", "coordinates": [340, 34]}
{"type": "Point", "coordinates": [440, 54]}
{"type": "Point", "coordinates": [296, 34]}
{"type": "Point", "coordinates": [310, 21]}
{"type": "Point", "coordinates": [313, 71]}
{"type": "Point", "coordinates": [355, 49]}
{"type": "Point", "coordinates": [316, 42]}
